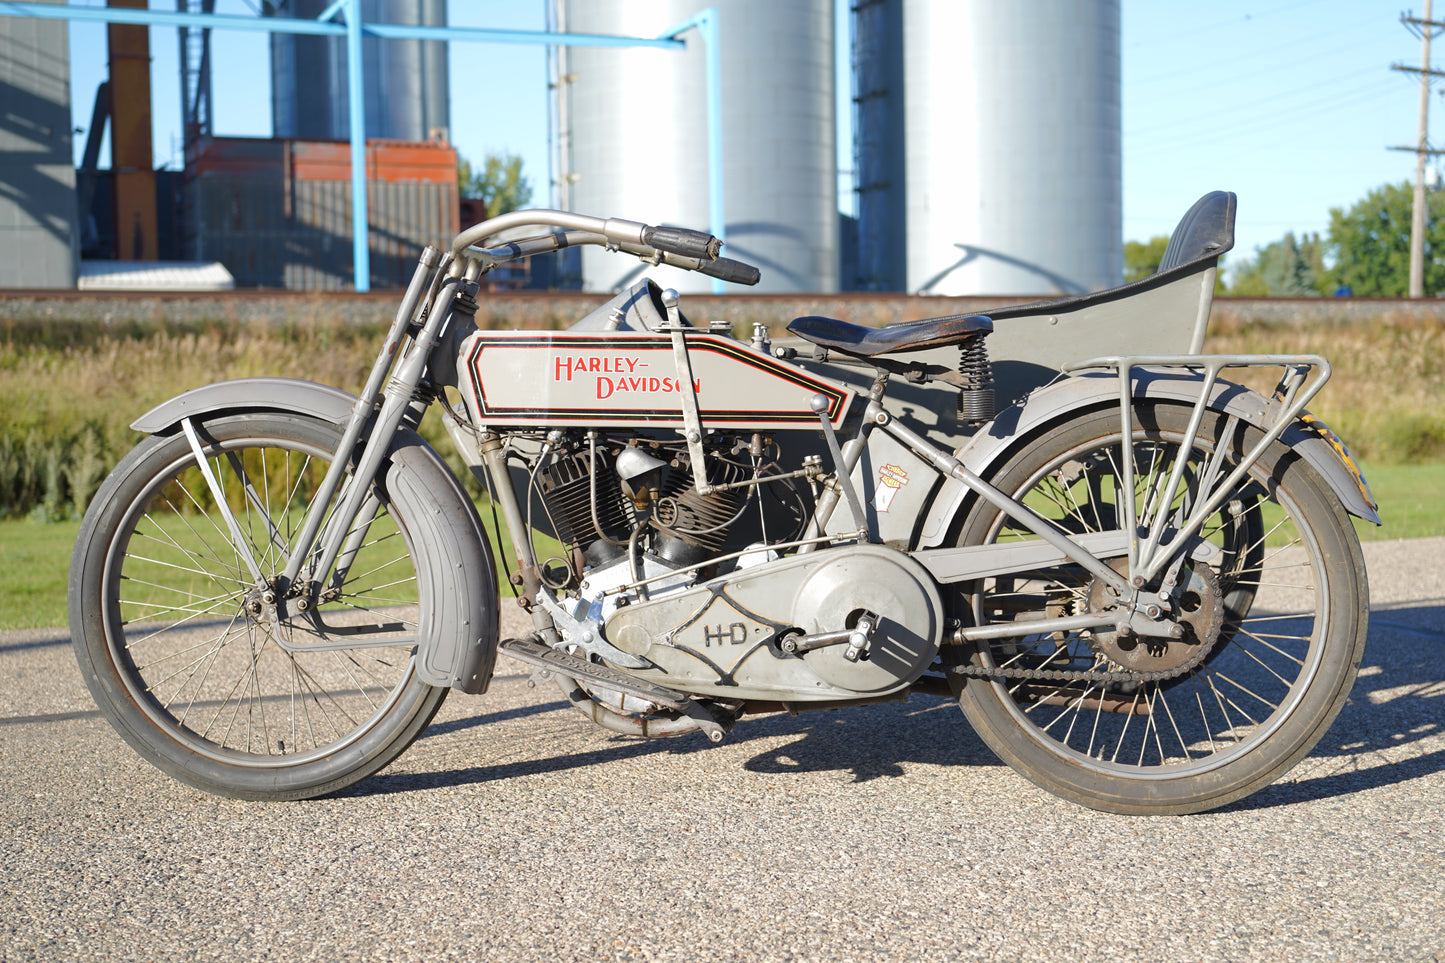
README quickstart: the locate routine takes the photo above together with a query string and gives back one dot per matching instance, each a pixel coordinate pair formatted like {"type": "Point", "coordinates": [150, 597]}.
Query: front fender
{"type": "Point", "coordinates": [1315, 443]}
{"type": "Point", "coordinates": [250, 394]}
{"type": "Point", "coordinates": [459, 641]}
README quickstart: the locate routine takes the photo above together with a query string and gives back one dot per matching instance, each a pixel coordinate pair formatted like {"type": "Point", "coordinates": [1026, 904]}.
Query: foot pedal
{"type": "Point", "coordinates": [544, 656]}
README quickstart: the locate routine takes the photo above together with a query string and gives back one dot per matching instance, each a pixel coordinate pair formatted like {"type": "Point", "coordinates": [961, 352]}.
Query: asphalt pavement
{"type": "Point", "coordinates": [515, 830]}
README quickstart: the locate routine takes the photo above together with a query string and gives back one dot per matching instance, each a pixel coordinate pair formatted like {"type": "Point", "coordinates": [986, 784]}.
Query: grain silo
{"type": "Point", "coordinates": [37, 172]}
{"type": "Point", "coordinates": [405, 80]}
{"type": "Point", "coordinates": [878, 146]}
{"type": "Point", "coordinates": [1012, 146]}
{"type": "Point", "coordinates": [632, 127]}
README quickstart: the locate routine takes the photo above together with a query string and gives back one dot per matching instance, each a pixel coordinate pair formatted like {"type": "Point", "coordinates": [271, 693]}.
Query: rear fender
{"type": "Point", "coordinates": [458, 646]}
{"type": "Point", "coordinates": [1314, 442]}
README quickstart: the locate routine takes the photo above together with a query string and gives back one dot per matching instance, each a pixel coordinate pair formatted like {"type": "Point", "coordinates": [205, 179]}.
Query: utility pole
{"type": "Point", "coordinates": [1425, 28]}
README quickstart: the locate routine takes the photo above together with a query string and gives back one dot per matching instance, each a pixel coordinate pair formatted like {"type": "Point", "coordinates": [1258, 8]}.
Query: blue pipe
{"type": "Point", "coordinates": [706, 23]}
{"type": "Point", "coordinates": [398, 31]}
{"type": "Point", "coordinates": [356, 109]}
{"type": "Point", "coordinates": [166, 18]}
{"type": "Point", "coordinates": [354, 29]}
{"type": "Point", "coordinates": [319, 27]}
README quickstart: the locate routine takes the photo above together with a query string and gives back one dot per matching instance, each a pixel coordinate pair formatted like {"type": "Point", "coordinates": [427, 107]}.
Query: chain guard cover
{"type": "Point", "coordinates": [721, 639]}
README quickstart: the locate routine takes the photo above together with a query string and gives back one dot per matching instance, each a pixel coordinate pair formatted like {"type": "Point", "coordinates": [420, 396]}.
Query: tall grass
{"type": "Point", "coordinates": [1386, 396]}
{"type": "Point", "coordinates": [70, 390]}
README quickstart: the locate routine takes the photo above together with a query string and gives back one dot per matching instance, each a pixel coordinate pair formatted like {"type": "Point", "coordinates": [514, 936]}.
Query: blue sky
{"type": "Point", "coordinates": [1289, 103]}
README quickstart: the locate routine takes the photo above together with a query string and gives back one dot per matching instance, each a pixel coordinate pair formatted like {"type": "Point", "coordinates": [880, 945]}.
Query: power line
{"type": "Point", "coordinates": [1425, 28]}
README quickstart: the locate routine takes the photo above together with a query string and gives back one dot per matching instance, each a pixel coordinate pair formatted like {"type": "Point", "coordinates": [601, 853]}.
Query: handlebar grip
{"type": "Point", "coordinates": [727, 269]}
{"type": "Point", "coordinates": [683, 242]}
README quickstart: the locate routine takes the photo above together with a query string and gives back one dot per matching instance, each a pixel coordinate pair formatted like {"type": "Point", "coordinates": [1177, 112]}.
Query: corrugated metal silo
{"type": "Point", "coordinates": [633, 126]}
{"type": "Point", "coordinates": [37, 171]}
{"type": "Point", "coordinates": [1013, 146]}
{"type": "Point", "coordinates": [878, 145]}
{"type": "Point", "coordinates": [405, 80]}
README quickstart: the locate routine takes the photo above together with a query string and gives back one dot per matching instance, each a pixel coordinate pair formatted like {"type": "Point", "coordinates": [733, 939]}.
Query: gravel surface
{"type": "Point", "coordinates": [514, 830]}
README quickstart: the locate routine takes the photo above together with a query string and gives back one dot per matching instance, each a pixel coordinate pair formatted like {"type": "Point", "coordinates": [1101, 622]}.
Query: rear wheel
{"type": "Point", "coordinates": [217, 677]}
{"type": "Point", "coordinates": [1272, 602]}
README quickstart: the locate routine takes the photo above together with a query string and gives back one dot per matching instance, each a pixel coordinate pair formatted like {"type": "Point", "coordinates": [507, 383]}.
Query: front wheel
{"type": "Point", "coordinates": [1272, 601]}
{"type": "Point", "coordinates": [211, 674]}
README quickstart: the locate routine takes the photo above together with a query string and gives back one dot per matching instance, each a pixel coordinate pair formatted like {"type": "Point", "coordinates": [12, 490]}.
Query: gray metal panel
{"type": "Point", "coordinates": [405, 80]}
{"type": "Point", "coordinates": [37, 173]}
{"type": "Point", "coordinates": [297, 235]}
{"type": "Point", "coordinates": [1029, 350]}
{"type": "Point", "coordinates": [1013, 146]}
{"type": "Point", "coordinates": [638, 140]}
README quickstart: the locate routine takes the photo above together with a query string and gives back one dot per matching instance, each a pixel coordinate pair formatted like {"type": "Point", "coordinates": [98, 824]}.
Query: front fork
{"type": "Point", "coordinates": [329, 539]}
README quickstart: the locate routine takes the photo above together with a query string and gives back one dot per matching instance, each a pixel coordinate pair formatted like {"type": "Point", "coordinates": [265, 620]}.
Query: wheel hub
{"type": "Point", "coordinates": [1197, 607]}
{"type": "Point", "coordinates": [266, 606]}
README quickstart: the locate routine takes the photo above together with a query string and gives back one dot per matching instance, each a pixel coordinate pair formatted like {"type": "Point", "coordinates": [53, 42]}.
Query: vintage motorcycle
{"type": "Point", "coordinates": [1138, 578]}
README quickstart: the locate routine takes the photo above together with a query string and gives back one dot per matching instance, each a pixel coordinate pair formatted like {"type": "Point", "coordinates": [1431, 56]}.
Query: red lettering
{"type": "Point", "coordinates": [604, 388]}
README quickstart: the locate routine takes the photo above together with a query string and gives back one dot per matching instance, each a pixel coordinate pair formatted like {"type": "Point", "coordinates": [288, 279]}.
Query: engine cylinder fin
{"type": "Point", "coordinates": [695, 527]}
{"type": "Point", "coordinates": [567, 486]}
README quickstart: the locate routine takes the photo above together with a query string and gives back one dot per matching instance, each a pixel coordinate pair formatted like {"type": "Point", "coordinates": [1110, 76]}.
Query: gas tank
{"type": "Point", "coordinates": [615, 379]}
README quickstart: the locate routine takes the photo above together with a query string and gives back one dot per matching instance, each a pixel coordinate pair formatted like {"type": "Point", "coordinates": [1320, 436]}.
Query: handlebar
{"type": "Point", "coordinates": [726, 269]}
{"type": "Point", "coordinates": [682, 242]}
{"type": "Point", "coordinates": [675, 246]}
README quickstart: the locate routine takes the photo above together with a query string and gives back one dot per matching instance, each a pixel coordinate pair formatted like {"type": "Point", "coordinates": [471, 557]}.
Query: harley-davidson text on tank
{"type": "Point", "coordinates": [616, 379]}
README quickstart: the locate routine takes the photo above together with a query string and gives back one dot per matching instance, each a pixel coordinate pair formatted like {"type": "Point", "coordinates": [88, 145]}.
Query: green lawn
{"type": "Point", "coordinates": [35, 560]}
{"type": "Point", "coordinates": [35, 556]}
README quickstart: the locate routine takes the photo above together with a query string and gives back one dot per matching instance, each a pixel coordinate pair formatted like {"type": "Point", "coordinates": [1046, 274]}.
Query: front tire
{"type": "Point", "coordinates": [227, 693]}
{"type": "Point", "coordinates": [1281, 606]}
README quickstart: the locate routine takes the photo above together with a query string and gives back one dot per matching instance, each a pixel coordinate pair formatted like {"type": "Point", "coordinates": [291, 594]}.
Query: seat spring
{"type": "Point", "coordinates": [975, 395]}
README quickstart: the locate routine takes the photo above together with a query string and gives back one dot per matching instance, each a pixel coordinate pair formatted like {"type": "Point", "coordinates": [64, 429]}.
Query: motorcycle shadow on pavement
{"type": "Point", "coordinates": [870, 741]}
{"type": "Point", "coordinates": [1392, 729]}
{"type": "Point", "coordinates": [1390, 732]}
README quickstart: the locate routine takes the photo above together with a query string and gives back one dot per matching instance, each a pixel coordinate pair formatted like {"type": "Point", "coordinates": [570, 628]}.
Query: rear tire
{"type": "Point", "coordinates": [1285, 611]}
{"type": "Point", "coordinates": [163, 623]}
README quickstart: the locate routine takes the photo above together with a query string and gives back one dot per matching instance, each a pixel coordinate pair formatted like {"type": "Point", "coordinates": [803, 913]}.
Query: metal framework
{"type": "Point", "coordinates": [353, 29]}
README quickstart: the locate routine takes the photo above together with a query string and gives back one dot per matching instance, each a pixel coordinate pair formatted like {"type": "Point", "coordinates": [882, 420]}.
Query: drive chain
{"type": "Point", "coordinates": [1082, 675]}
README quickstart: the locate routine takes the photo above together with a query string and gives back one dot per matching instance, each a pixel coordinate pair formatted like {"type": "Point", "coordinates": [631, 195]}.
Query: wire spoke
{"type": "Point", "coordinates": [217, 677]}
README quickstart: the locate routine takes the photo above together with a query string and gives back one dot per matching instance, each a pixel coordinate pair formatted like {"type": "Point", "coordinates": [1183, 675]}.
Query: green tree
{"type": "Point", "coordinates": [1287, 268]}
{"type": "Point", "coordinates": [1369, 244]}
{"type": "Point", "coordinates": [500, 183]}
{"type": "Point", "coordinates": [1141, 258]}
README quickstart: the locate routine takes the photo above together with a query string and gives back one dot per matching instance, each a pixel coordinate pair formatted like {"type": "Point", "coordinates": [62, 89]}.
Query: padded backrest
{"type": "Point", "coordinates": [1206, 230]}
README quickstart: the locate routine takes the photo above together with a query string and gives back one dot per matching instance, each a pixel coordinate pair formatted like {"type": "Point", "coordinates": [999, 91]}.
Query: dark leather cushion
{"type": "Point", "coordinates": [865, 342]}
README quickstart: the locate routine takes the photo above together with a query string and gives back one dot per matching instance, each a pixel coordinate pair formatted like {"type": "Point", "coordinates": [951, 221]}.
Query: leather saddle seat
{"type": "Point", "coordinates": [865, 342]}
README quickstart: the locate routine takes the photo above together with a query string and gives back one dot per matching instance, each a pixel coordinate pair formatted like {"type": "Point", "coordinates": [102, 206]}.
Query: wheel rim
{"type": "Point", "coordinates": [1257, 670]}
{"type": "Point", "coordinates": [208, 672]}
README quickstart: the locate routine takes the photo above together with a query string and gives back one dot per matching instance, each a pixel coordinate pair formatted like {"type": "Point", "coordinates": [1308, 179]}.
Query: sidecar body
{"type": "Point", "coordinates": [1165, 313]}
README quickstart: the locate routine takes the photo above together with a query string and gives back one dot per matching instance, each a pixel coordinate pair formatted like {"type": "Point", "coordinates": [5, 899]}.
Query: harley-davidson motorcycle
{"type": "Point", "coordinates": [1137, 578]}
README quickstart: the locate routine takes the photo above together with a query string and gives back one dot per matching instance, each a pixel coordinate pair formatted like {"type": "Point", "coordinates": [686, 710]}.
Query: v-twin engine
{"type": "Point", "coordinates": [686, 581]}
